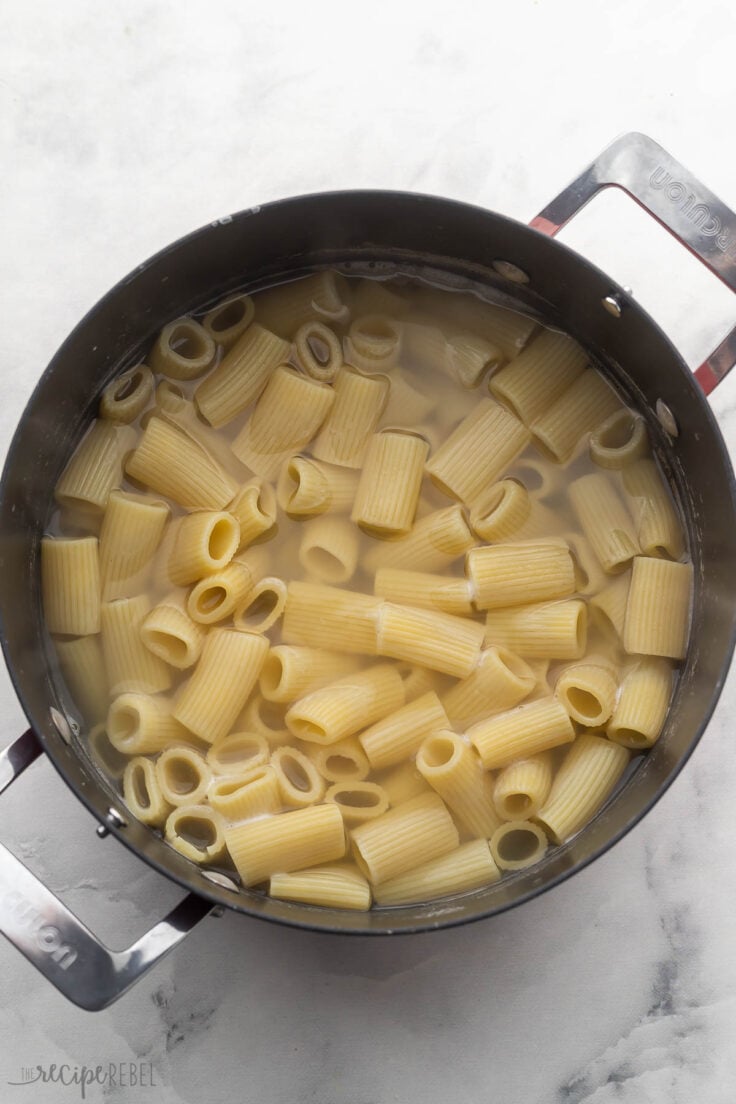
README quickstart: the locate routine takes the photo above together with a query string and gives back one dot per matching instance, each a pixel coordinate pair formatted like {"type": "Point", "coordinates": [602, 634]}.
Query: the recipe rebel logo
{"type": "Point", "coordinates": [109, 1077]}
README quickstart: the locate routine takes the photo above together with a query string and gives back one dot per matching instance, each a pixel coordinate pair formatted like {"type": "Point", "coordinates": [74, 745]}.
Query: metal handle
{"type": "Point", "coordinates": [676, 199]}
{"type": "Point", "coordinates": [58, 944]}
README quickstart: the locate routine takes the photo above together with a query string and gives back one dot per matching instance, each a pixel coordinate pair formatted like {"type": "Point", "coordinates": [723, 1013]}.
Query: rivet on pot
{"type": "Point", "coordinates": [613, 304]}
{"type": "Point", "coordinates": [61, 724]}
{"type": "Point", "coordinates": [511, 272]}
{"type": "Point", "coordinates": [666, 418]}
{"type": "Point", "coordinates": [113, 819]}
{"type": "Point", "coordinates": [221, 880]}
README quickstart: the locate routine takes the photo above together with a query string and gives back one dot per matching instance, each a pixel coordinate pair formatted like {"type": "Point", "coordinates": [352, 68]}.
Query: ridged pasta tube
{"type": "Point", "coordinates": [373, 343]}
{"type": "Point", "coordinates": [70, 578]}
{"type": "Point", "coordinates": [287, 307]}
{"type": "Point", "coordinates": [205, 542]}
{"type": "Point", "coordinates": [262, 606]}
{"type": "Point", "coordinates": [307, 487]}
{"type": "Point", "coordinates": [405, 837]}
{"type": "Point", "coordinates": [132, 528]}
{"type": "Point", "coordinates": [619, 441]}
{"type": "Point", "coordinates": [404, 782]}
{"type": "Point", "coordinates": [517, 844]}
{"type": "Point", "coordinates": [183, 775]}
{"type": "Point", "coordinates": [251, 793]}
{"type": "Point", "coordinates": [229, 320]}
{"type": "Point", "coordinates": [588, 690]}
{"type": "Point", "coordinates": [604, 520]}
{"type": "Point", "coordinates": [300, 783]}
{"type": "Point", "coordinates": [215, 597]}
{"type": "Point", "coordinates": [590, 577]}
{"type": "Point", "coordinates": [499, 682]}
{"type": "Point", "coordinates": [521, 732]}
{"type": "Point", "coordinates": [196, 831]}
{"type": "Point", "coordinates": [642, 703]}
{"type": "Point", "coordinates": [238, 752]}
{"type": "Point", "coordinates": [172, 463]}
{"type": "Point", "coordinates": [266, 718]}
{"type": "Point", "coordinates": [521, 788]}
{"type": "Point", "coordinates": [502, 511]}
{"type": "Point", "coordinates": [588, 774]}
{"type": "Point", "coordinates": [129, 664]}
{"type": "Point", "coordinates": [407, 404]}
{"type": "Point", "coordinates": [427, 591]}
{"type": "Point", "coordinates": [552, 630]}
{"type": "Point", "coordinates": [96, 467]}
{"type": "Point", "coordinates": [254, 508]}
{"type": "Point", "coordinates": [436, 541]}
{"type": "Point", "coordinates": [287, 842]}
{"type": "Point", "coordinates": [359, 403]}
{"type": "Point", "coordinates": [453, 769]}
{"type": "Point", "coordinates": [291, 671]}
{"type": "Point", "coordinates": [327, 617]}
{"type": "Point", "coordinates": [608, 606]}
{"type": "Point", "coordinates": [138, 724]}
{"type": "Point", "coordinates": [429, 638]}
{"type": "Point", "coordinates": [183, 350]}
{"type": "Point", "coordinates": [388, 491]}
{"type": "Point", "coordinates": [142, 793]}
{"type": "Point", "coordinates": [222, 681]}
{"type": "Point", "coordinates": [579, 410]}
{"type": "Point", "coordinates": [344, 761]}
{"type": "Point", "coordinates": [478, 451]}
{"type": "Point", "coordinates": [358, 801]}
{"type": "Point", "coordinates": [318, 350]}
{"type": "Point", "coordinates": [468, 867]}
{"type": "Point", "coordinates": [514, 574]}
{"type": "Point", "coordinates": [339, 885]}
{"type": "Point", "coordinates": [329, 549]}
{"type": "Point", "coordinates": [241, 375]}
{"type": "Point", "coordinates": [539, 374]}
{"type": "Point", "coordinates": [83, 668]}
{"type": "Point", "coordinates": [399, 735]}
{"type": "Point", "coordinates": [170, 633]}
{"type": "Point", "coordinates": [344, 707]}
{"type": "Point", "coordinates": [107, 757]}
{"type": "Point", "coordinates": [127, 396]}
{"type": "Point", "coordinates": [658, 608]}
{"type": "Point", "coordinates": [659, 529]}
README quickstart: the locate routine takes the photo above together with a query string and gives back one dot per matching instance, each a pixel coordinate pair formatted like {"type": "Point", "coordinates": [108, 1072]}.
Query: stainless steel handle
{"type": "Point", "coordinates": [676, 199]}
{"type": "Point", "coordinates": [56, 941]}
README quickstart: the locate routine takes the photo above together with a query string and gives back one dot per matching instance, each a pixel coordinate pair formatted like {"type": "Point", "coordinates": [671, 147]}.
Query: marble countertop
{"type": "Point", "coordinates": [124, 126]}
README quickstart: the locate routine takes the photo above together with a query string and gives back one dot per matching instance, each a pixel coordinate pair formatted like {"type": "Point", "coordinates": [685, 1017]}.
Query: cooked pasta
{"type": "Point", "coordinates": [404, 837]}
{"type": "Point", "coordinates": [326, 617]}
{"type": "Point", "coordinates": [516, 844]}
{"type": "Point", "coordinates": [388, 491]}
{"type": "Point", "coordinates": [271, 845]}
{"type": "Point", "coordinates": [499, 682]}
{"type": "Point", "coordinates": [336, 885]}
{"type": "Point", "coordinates": [251, 792]}
{"type": "Point", "coordinates": [329, 549]}
{"type": "Point", "coordinates": [358, 801]}
{"type": "Point", "coordinates": [142, 792]}
{"type": "Point", "coordinates": [453, 769]}
{"type": "Point", "coordinates": [588, 690]}
{"type": "Point", "coordinates": [435, 542]}
{"type": "Point", "coordinates": [521, 732]}
{"type": "Point", "coordinates": [552, 630]}
{"type": "Point", "coordinates": [478, 451]}
{"type": "Point", "coordinates": [318, 350]}
{"type": "Point", "coordinates": [579, 410]}
{"type": "Point", "coordinates": [307, 487]}
{"type": "Point", "coordinates": [469, 866]}
{"type": "Point", "coordinates": [241, 375]}
{"type": "Point", "coordinates": [83, 668]}
{"type": "Point", "coordinates": [127, 396]}
{"type": "Point", "coordinates": [433, 592]}
{"type": "Point", "coordinates": [254, 509]}
{"type": "Point", "coordinates": [359, 402]}
{"type": "Point", "coordinates": [171, 463]}
{"type": "Point", "coordinates": [70, 571]}
{"type": "Point", "coordinates": [221, 684]}
{"type": "Point", "coordinates": [619, 441]}
{"type": "Point", "coordinates": [130, 665]}
{"type": "Point", "coordinates": [204, 542]}
{"type": "Point", "coordinates": [398, 735]}
{"type": "Point", "coordinates": [658, 528]}
{"type": "Point", "coordinates": [183, 350]}
{"type": "Point", "coordinates": [521, 788]}
{"type": "Point", "coordinates": [344, 707]}
{"type": "Point", "coordinates": [291, 671]}
{"type": "Point", "coordinates": [605, 521]}
{"type": "Point", "coordinates": [588, 774]}
{"type": "Point", "coordinates": [511, 574]}
{"type": "Point", "coordinates": [197, 832]}
{"type": "Point", "coordinates": [658, 608]}
{"type": "Point", "coordinates": [183, 775]}
{"type": "Point", "coordinates": [171, 634]}
{"type": "Point", "coordinates": [238, 752]}
{"type": "Point", "coordinates": [539, 375]}
{"type": "Point", "coordinates": [229, 320]}
{"type": "Point", "coordinates": [262, 606]}
{"type": "Point", "coordinates": [373, 343]}
{"type": "Point", "coordinates": [96, 468]}
{"type": "Point", "coordinates": [132, 528]}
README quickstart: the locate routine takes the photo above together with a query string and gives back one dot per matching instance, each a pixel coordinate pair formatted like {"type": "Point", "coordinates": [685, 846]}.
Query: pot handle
{"type": "Point", "coordinates": [55, 941]}
{"type": "Point", "coordinates": [676, 199]}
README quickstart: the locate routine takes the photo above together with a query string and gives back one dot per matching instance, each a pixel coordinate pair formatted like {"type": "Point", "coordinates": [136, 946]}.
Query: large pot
{"type": "Point", "coordinates": [379, 232]}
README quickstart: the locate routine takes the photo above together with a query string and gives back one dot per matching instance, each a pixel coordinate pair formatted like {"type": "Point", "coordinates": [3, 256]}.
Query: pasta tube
{"type": "Point", "coordinates": [217, 595]}
{"type": "Point", "coordinates": [604, 520]}
{"type": "Point", "coordinates": [229, 320]}
{"type": "Point", "coordinates": [403, 783]}
{"type": "Point", "coordinates": [539, 375]}
{"type": "Point", "coordinates": [307, 487]}
{"type": "Point", "coordinates": [265, 718]}
{"type": "Point", "coordinates": [127, 396]}
{"type": "Point", "coordinates": [517, 844]}
{"type": "Point", "coordinates": [478, 451]}
{"type": "Point", "coordinates": [642, 703]}
{"type": "Point", "coordinates": [84, 672]}
{"type": "Point", "coordinates": [250, 793]}
{"type": "Point", "coordinates": [358, 801]}
{"type": "Point", "coordinates": [169, 633]}
{"type": "Point", "coordinates": [205, 542]}
{"type": "Point", "coordinates": [281, 844]}
{"type": "Point", "coordinates": [254, 509]}
{"type": "Point", "coordinates": [238, 753]}
{"type": "Point", "coordinates": [142, 793]}
{"type": "Point", "coordinates": [373, 343]}
{"type": "Point", "coordinates": [388, 491]}
{"type": "Point", "coordinates": [658, 608]}
{"type": "Point", "coordinates": [502, 512]}
{"type": "Point", "coordinates": [659, 529]}
{"type": "Point", "coordinates": [196, 831]}
{"type": "Point", "coordinates": [344, 707]}
{"type": "Point", "coordinates": [138, 724]}
{"type": "Point", "coordinates": [222, 681]}
{"type": "Point", "coordinates": [70, 579]}
{"type": "Point", "coordinates": [326, 617]}
{"type": "Point", "coordinates": [521, 788]}
{"type": "Point", "coordinates": [619, 441]}
{"type": "Point", "coordinates": [287, 307]}
{"type": "Point", "coordinates": [132, 528]}
{"type": "Point", "coordinates": [130, 665]}
{"type": "Point", "coordinates": [329, 549]}
{"type": "Point", "coordinates": [435, 542]}
{"type": "Point", "coordinates": [344, 761]}
{"type": "Point", "coordinates": [183, 775]}
{"type": "Point", "coordinates": [588, 690]}
{"type": "Point", "coordinates": [579, 410]}
{"type": "Point", "coordinates": [359, 402]}
{"type": "Point", "coordinates": [241, 375]}
{"type": "Point", "coordinates": [96, 467]}
{"type": "Point", "coordinates": [453, 769]}
{"type": "Point", "coordinates": [521, 732]}
{"type": "Point", "coordinates": [440, 641]}
{"type": "Point", "coordinates": [172, 463]}
{"type": "Point", "coordinates": [340, 885]}
{"type": "Point", "coordinates": [610, 605]}
{"type": "Point", "coordinates": [183, 350]}
{"type": "Point", "coordinates": [552, 630]}
{"type": "Point", "coordinates": [512, 574]}
{"type": "Point", "coordinates": [262, 606]}
{"type": "Point", "coordinates": [433, 592]}
{"type": "Point", "coordinates": [300, 783]}
{"type": "Point", "coordinates": [405, 837]}
{"type": "Point", "coordinates": [319, 351]}
{"type": "Point", "coordinates": [499, 682]}
{"type": "Point", "coordinates": [291, 671]}
{"type": "Point", "coordinates": [588, 774]}
{"type": "Point", "coordinates": [399, 735]}
{"type": "Point", "coordinates": [470, 866]}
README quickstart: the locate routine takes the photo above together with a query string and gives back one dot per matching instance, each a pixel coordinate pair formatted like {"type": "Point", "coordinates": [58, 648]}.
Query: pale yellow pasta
{"type": "Point", "coordinates": [590, 578]}
{"type": "Point", "coordinates": [83, 668]}
{"type": "Point", "coordinates": [608, 606]}
{"type": "Point", "coordinates": [326, 617]}
{"type": "Point", "coordinates": [453, 769]}
{"type": "Point", "coordinates": [254, 508]}
{"type": "Point", "coordinates": [542, 687]}
{"type": "Point", "coordinates": [541, 478]}
{"type": "Point", "coordinates": [344, 761]}
{"type": "Point", "coordinates": [197, 832]}
{"type": "Point", "coordinates": [405, 837]}
{"type": "Point", "coordinates": [105, 755]}
{"type": "Point", "coordinates": [542, 522]}
{"type": "Point", "coordinates": [132, 528]}
{"type": "Point", "coordinates": [469, 866]}
{"type": "Point", "coordinates": [420, 680]}
{"type": "Point", "coordinates": [238, 752]}
{"type": "Point", "coordinates": [588, 774]}
{"type": "Point", "coordinates": [658, 527]}
{"type": "Point", "coordinates": [373, 343]}
{"type": "Point", "coordinates": [300, 783]}
{"type": "Point", "coordinates": [262, 606]}
{"type": "Point", "coordinates": [170, 399]}
{"type": "Point", "coordinates": [403, 782]}
{"type": "Point", "coordinates": [142, 792]}
{"type": "Point", "coordinates": [344, 707]}
{"type": "Point", "coordinates": [96, 468]}
{"type": "Point", "coordinates": [229, 320]}
{"type": "Point", "coordinates": [287, 307]}
{"type": "Point", "coordinates": [428, 591]}
{"type": "Point", "coordinates": [429, 638]}
{"type": "Point", "coordinates": [358, 801]}
{"type": "Point", "coordinates": [139, 724]}
{"type": "Point", "coordinates": [521, 732]}
{"type": "Point", "coordinates": [285, 419]}
{"type": "Point", "coordinates": [291, 671]}
{"type": "Point", "coordinates": [70, 576]}
{"type": "Point", "coordinates": [215, 597]}
{"type": "Point", "coordinates": [642, 703]}
{"type": "Point", "coordinates": [513, 574]}
{"type": "Point", "coordinates": [130, 666]}
{"type": "Point", "coordinates": [539, 374]}
{"type": "Point", "coordinates": [329, 548]}
{"type": "Point", "coordinates": [170, 633]}
{"type": "Point", "coordinates": [499, 682]}
{"type": "Point", "coordinates": [241, 375]}
{"type": "Point", "coordinates": [435, 542]}
{"type": "Point", "coordinates": [359, 403]}
{"type": "Point", "coordinates": [183, 775]}
{"type": "Point", "coordinates": [183, 350]}
{"type": "Point", "coordinates": [388, 491]}
{"type": "Point", "coordinates": [464, 357]}
{"type": "Point", "coordinates": [517, 844]}
{"type": "Point", "coordinates": [499, 325]}
{"type": "Point", "coordinates": [407, 404]}
{"type": "Point", "coordinates": [502, 511]}
{"type": "Point", "coordinates": [521, 789]}
{"type": "Point", "coordinates": [266, 719]}
{"type": "Point", "coordinates": [205, 542]}
{"type": "Point", "coordinates": [338, 885]}
{"type": "Point", "coordinates": [307, 487]}
{"type": "Point", "coordinates": [619, 441]}
{"type": "Point", "coordinates": [658, 608]}
{"type": "Point", "coordinates": [222, 681]}
{"type": "Point", "coordinates": [127, 395]}
{"type": "Point", "coordinates": [588, 690]}
{"type": "Point", "coordinates": [290, 841]}
{"type": "Point", "coordinates": [172, 463]}
{"type": "Point", "coordinates": [551, 630]}
{"type": "Point", "coordinates": [605, 521]}
{"type": "Point", "coordinates": [253, 792]}
{"type": "Point", "coordinates": [399, 735]}
{"type": "Point", "coordinates": [478, 451]}
{"type": "Point", "coordinates": [579, 410]}
{"type": "Point", "coordinates": [318, 350]}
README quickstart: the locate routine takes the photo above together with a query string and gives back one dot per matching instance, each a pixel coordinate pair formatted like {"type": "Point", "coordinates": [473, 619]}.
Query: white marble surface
{"type": "Point", "coordinates": [123, 126]}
